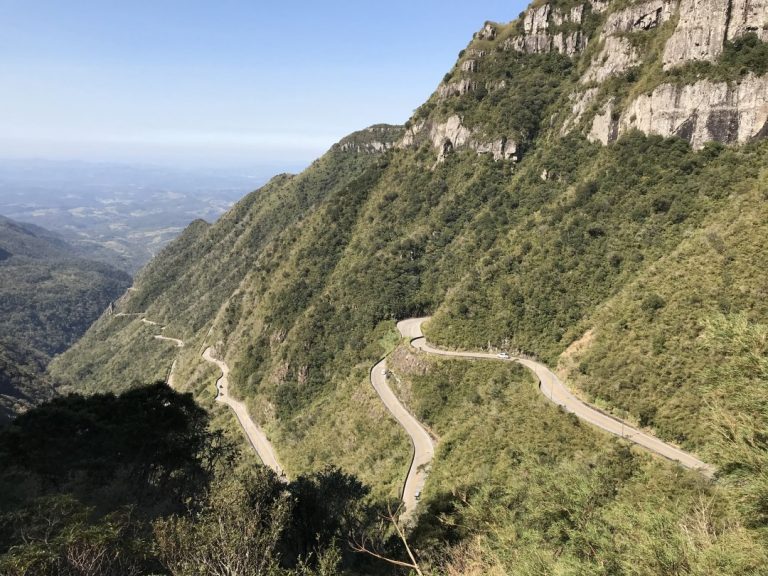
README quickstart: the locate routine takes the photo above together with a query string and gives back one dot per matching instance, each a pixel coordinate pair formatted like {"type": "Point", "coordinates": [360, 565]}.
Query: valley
{"type": "Point", "coordinates": [118, 214]}
{"type": "Point", "coordinates": [525, 332]}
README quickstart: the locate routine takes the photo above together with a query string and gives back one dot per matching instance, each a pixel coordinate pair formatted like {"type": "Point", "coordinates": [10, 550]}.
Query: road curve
{"type": "Point", "coordinates": [255, 435]}
{"type": "Point", "coordinates": [554, 390]}
{"type": "Point", "coordinates": [179, 343]}
{"type": "Point", "coordinates": [423, 447]}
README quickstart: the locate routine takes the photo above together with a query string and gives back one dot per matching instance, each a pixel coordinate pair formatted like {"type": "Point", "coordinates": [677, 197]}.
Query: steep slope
{"type": "Point", "coordinates": [524, 208]}
{"type": "Point", "coordinates": [49, 296]}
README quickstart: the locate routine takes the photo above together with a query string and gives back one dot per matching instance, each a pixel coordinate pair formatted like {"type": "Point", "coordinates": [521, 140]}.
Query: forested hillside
{"type": "Point", "coordinates": [581, 188]}
{"type": "Point", "coordinates": [49, 296]}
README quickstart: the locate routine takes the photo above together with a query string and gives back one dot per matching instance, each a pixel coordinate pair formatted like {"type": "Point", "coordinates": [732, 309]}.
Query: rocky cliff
{"type": "Point", "coordinates": [685, 68]}
{"type": "Point", "coordinates": [373, 140]}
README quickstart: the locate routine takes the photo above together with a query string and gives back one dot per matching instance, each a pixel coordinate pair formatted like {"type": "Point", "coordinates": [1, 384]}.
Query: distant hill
{"type": "Point", "coordinates": [49, 296]}
{"type": "Point", "coordinates": [118, 214]}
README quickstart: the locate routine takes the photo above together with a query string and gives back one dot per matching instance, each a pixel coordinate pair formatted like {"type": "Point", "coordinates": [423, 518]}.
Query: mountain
{"type": "Point", "coordinates": [49, 296]}
{"type": "Point", "coordinates": [587, 187]}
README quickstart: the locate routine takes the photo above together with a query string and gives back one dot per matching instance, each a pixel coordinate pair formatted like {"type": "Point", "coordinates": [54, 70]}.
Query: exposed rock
{"type": "Point", "coordinates": [605, 126]}
{"type": "Point", "coordinates": [575, 15]}
{"type": "Point", "coordinates": [411, 135]}
{"type": "Point", "coordinates": [600, 6]}
{"type": "Point", "coordinates": [539, 36]}
{"type": "Point", "coordinates": [501, 149]}
{"type": "Point", "coordinates": [536, 20]}
{"type": "Point", "coordinates": [487, 33]}
{"type": "Point", "coordinates": [469, 66]}
{"type": "Point", "coordinates": [699, 34]}
{"type": "Point", "coordinates": [457, 88]}
{"type": "Point", "coordinates": [570, 44]}
{"type": "Point", "coordinates": [495, 86]}
{"type": "Point", "coordinates": [581, 101]}
{"type": "Point", "coordinates": [373, 140]}
{"type": "Point", "coordinates": [617, 56]}
{"type": "Point", "coordinates": [448, 136]}
{"type": "Point", "coordinates": [642, 16]}
{"type": "Point", "coordinates": [476, 53]}
{"type": "Point", "coordinates": [705, 25]}
{"type": "Point", "coordinates": [372, 147]}
{"type": "Point", "coordinates": [703, 111]}
{"type": "Point", "coordinates": [748, 16]}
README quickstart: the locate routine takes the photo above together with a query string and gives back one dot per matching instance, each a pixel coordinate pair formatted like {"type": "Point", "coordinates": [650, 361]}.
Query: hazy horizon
{"type": "Point", "coordinates": [219, 86]}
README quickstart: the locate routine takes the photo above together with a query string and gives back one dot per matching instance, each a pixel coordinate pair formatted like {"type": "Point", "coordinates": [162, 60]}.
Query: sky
{"type": "Point", "coordinates": [219, 83]}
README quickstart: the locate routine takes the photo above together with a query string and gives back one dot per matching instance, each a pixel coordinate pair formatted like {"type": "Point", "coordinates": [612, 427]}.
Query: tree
{"type": "Point", "coordinates": [236, 532]}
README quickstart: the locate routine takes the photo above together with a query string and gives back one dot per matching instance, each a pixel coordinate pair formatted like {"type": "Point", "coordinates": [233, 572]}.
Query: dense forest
{"type": "Point", "coordinates": [49, 296]}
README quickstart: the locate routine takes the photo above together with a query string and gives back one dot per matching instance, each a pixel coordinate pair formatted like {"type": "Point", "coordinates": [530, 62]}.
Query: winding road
{"type": "Point", "coordinates": [179, 343]}
{"type": "Point", "coordinates": [423, 447]}
{"type": "Point", "coordinates": [256, 435]}
{"type": "Point", "coordinates": [555, 391]}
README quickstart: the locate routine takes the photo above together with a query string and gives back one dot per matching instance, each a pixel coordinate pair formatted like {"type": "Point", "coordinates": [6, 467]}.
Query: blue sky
{"type": "Point", "coordinates": [222, 82]}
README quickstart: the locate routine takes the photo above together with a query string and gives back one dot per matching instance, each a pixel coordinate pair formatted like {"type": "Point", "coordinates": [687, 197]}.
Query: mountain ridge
{"type": "Point", "coordinates": [516, 210]}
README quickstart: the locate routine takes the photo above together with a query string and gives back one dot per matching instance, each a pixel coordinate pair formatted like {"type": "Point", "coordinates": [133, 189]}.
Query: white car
{"type": "Point", "coordinates": [417, 496]}
{"type": "Point", "coordinates": [383, 372]}
{"type": "Point", "coordinates": [503, 355]}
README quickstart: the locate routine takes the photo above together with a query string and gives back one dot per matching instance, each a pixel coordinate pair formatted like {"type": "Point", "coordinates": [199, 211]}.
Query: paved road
{"type": "Point", "coordinates": [255, 434]}
{"type": "Point", "coordinates": [423, 448]}
{"type": "Point", "coordinates": [179, 343]}
{"type": "Point", "coordinates": [553, 389]}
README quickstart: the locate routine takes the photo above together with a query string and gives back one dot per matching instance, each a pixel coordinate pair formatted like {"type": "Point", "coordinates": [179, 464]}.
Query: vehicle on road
{"type": "Point", "coordinates": [503, 355]}
{"type": "Point", "coordinates": [417, 496]}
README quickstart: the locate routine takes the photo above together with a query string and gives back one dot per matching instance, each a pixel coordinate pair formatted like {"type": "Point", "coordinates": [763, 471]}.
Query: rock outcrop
{"type": "Point", "coordinates": [450, 135]}
{"type": "Point", "coordinates": [748, 16]}
{"type": "Point", "coordinates": [617, 56]}
{"type": "Point", "coordinates": [374, 140]}
{"type": "Point", "coordinates": [457, 88]}
{"type": "Point", "coordinates": [699, 113]}
{"type": "Point", "coordinates": [542, 34]}
{"type": "Point", "coordinates": [487, 33]}
{"type": "Point", "coordinates": [605, 125]}
{"type": "Point", "coordinates": [640, 16]}
{"type": "Point", "coordinates": [705, 25]}
{"type": "Point", "coordinates": [580, 102]}
{"type": "Point", "coordinates": [700, 32]}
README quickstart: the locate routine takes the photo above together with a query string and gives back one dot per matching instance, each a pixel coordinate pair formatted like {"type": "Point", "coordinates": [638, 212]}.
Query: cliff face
{"type": "Point", "coordinates": [701, 112]}
{"type": "Point", "coordinates": [620, 68]}
{"type": "Point", "coordinates": [705, 25]}
{"type": "Point", "coordinates": [693, 107]}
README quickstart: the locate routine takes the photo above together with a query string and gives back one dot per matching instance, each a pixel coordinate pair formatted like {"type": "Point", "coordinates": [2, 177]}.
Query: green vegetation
{"type": "Point", "coordinates": [140, 484]}
{"type": "Point", "coordinates": [512, 96]}
{"type": "Point", "coordinates": [652, 250]}
{"type": "Point", "coordinates": [647, 358]}
{"type": "Point", "coordinates": [503, 258]}
{"type": "Point", "coordinates": [745, 55]}
{"type": "Point", "coordinates": [21, 380]}
{"type": "Point", "coordinates": [541, 493]}
{"type": "Point", "coordinates": [49, 296]}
